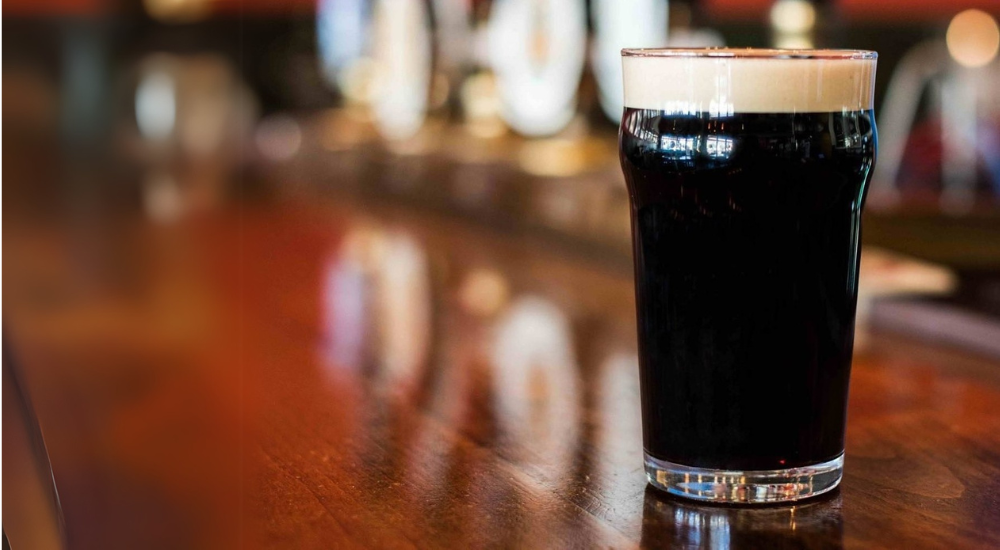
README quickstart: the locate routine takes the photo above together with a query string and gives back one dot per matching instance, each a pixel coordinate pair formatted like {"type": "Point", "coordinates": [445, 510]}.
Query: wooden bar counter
{"type": "Point", "coordinates": [337, 373]}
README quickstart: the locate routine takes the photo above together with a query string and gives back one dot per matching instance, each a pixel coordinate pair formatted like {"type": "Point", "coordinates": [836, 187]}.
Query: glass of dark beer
{"type": "Point", "coordinates": [747, 172]}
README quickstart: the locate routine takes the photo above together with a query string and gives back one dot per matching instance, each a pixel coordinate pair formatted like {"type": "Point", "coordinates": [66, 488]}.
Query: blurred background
{"type": "Point", "coordinates": [196, 191]}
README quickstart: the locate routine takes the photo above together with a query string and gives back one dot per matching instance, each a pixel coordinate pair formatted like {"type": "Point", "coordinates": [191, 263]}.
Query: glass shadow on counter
{"type": "Point", "coordinates": [670, 522]}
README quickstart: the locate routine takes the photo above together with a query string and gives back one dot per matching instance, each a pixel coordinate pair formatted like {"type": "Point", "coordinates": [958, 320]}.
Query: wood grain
{"type": "Point", "coordinates": [329, 373]}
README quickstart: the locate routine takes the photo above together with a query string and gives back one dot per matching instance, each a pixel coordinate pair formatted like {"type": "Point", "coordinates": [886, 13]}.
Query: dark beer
{"type": "Point", "coordinates": [747, 172]}
{"type": "Point", "coordinates": [746, 241]}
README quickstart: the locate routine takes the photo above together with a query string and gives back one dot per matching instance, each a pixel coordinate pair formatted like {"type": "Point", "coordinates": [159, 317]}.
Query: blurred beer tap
{"type": "Point", "coordinates": [537, 51]}
{"type": "Point", "coordinates": [622, 24]}
{"type": "Point", "coordinates": [640, 23]}
{"type": "Point", "coordinates": [961, 72]}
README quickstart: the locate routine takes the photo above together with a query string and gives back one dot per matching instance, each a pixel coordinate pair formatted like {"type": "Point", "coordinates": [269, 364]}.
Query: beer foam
{"type": "Point", "coordinates": [728, 81]}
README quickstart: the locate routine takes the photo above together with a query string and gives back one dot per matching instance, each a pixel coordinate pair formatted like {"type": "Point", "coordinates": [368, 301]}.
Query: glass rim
{"type": "Point", "coordinates": [751, 53]}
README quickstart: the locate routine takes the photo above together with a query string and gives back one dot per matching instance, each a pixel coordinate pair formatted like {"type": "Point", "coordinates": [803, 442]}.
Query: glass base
{"type": "Point", "coordinates": [747, 486]}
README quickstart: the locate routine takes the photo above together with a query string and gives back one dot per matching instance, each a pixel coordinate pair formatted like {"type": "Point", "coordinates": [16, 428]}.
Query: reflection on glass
{"type": "Point", "coordinates": [685, 137]}
{"type": "Point", "coordinates": [537, 386]}
{"type": "Point", "coordinates": [818, 524]}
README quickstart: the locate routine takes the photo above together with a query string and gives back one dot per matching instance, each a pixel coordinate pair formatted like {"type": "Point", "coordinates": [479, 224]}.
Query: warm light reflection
{"type": "Point", "coordinates": [537, 383]}
{"type": "Point", "coordinates": [377, 305]}
{"type": "Point", "coordinates": [682, 147]}
{"type": "Point", "coordinates": [344, 129]}
{"type": "Point", "coordinates": [356, 81]}
{"type": "Point", "coordinates": [479, 96]}
{"type": "Point", "coordinates": [793, 16]}
{"type": "Point", "coordinates": [973, 38]}
{"type": "Point", "coordinates": [484, 292]}
{"type": "Point", "coordinates": [619, 441]}
{"type": "Point", "coordinates": [404, 311]}
{"type": "Point", "coordinates": [346, 295]}
{"type": "Point", "coordinates": [481, 103]}
{"type": "Point", "coordinates": [794, 42]}
{"type": "Point", "coordinates": [553, 157]}
{"type": "Point", "coordinates": [178, 11]}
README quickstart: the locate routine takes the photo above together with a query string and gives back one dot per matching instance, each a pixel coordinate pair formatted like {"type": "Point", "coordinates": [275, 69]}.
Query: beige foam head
{"type": "Point", "coordinates": [727, 81]}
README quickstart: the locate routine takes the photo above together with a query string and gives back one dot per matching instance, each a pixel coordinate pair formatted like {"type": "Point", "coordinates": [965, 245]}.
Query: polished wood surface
{"type": "Point", "coordinates": [326, 373]}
